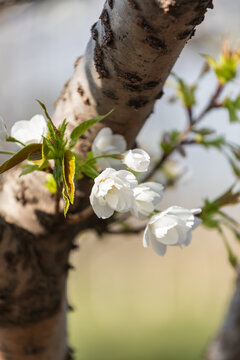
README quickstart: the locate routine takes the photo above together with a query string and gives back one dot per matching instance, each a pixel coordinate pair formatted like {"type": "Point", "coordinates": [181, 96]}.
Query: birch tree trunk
{"type": "Point", "coordinates": [132, 49]}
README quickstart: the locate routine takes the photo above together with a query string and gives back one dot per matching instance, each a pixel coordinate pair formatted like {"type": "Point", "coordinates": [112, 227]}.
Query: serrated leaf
{"type": "Point", "coordinates": [83, 127]}
{"type": "Point", "coordinates": [66, 202]}
{"type": "Point", "coordinates": [20, 156]}
{"type": "Point", "coordinates": [68, 167]}
{"type": "Point", "coordinates": [51, 184]}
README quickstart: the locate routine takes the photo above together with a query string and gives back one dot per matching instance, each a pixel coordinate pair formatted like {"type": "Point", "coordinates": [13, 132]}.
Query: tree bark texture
{"type": "Point", "coordinates": [226, 346]}
{"type": "Point", "coordinates": [132, 49]}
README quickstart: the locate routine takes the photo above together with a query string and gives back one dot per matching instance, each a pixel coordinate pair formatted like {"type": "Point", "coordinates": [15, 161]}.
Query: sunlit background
{"type": "Point", "coordinates": [129, 303]}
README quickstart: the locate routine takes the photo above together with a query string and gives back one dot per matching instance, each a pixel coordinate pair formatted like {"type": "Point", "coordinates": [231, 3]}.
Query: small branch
{"type": "Point", "coordinates": [80, 217]}
{"type": "Point", "coordinates": [211, 105]}
{"type": "Point", "coordinates": [190, 115]}
{"type": "Point", "coordinates": [58, 197]}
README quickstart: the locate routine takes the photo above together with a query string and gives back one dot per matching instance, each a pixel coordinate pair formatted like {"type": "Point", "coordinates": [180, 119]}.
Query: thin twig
{"type": "Point", "coordinates": [211, 105]}
{"type": "Point", "coordinates": [183, 137]}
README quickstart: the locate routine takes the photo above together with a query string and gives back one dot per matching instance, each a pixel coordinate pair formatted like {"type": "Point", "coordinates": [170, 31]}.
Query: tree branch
{"type": "Point", "coordinates": [226, 346]}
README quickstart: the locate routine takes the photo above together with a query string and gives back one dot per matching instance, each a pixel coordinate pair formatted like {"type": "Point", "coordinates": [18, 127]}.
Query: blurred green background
{"type": "Point", "coordinates": [129, 303]}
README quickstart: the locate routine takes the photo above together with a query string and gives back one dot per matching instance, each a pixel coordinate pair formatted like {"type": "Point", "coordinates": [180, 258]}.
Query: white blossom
{"type": "Point", "coordinates": [107, 143]}
{"type": "Point", "coordinates": [3, 131]}
{"type": "Point", "coordinates": [112, 191]}
{"type": "Point", "coordinates": [137, 160]}
{"type": "Point", "coordinates": [170, 227]}
{"type": "Point", "coordinates": [30, 131]}
{"type": "Point", "coordinates": [147, 196]}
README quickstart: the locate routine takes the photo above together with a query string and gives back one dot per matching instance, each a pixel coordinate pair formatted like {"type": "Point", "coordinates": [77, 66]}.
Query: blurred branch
{"type": "Point", "coordinates": [6, 3]}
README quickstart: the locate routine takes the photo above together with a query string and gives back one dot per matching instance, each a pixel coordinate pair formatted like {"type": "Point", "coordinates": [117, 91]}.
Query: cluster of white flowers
{"type": "Point", "coordinates": [118, 190]}
{"type": "Point", "coordinates": [25, 131]}
{"type": "Point", "coordinates": [107, 143]}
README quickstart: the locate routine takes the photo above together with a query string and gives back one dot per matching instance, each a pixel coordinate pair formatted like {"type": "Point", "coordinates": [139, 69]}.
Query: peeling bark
{"type": "Point", "coordinates": [132, 49]}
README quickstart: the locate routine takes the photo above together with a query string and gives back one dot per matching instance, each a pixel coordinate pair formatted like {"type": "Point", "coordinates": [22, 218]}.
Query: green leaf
{"type": "Point", "coordinates": [203, 131]}
{"type": "Point", "coordinates": [232, 106]}
{"type": "Point", "coordinates": [68, 167]}
{"type": "Point", "coordinates": [226, 67]}
{"type": "Point", "coordinates": [185, 92]}
{"type": "Point", "coordinates": [90, 171]}
{"type": "Point", "coordinates": [231, 256]}
{"type": "Point", "coordinates": [57, 171]}
{"type": "Point", "coordinates": [28, 169]}
{"type": "Point", "coordinates": [83, 127]}
{"type": "Point", "coordinates": [78, 167]}
{"type": "Point", "coordinates": [51, 126]}
{"type": "Point", "coordinates": [51, 184]}
{"type": "Point", "coordinates": [45, 110]}
{"type": "Point", "coordinates": [170, 140]}
{"type": "Point", "coordinates": [20, 156]}
{"type": "Point", "coordinates": [62, 128]}
{"type": "Point", "coordinates": [218, 142]}
{"type": "Point", "coordinates": [7, 153]}
{"type": "Point", "coordinates": [66, 201]}
{"type": "Point", "coordinates": [235, 168]}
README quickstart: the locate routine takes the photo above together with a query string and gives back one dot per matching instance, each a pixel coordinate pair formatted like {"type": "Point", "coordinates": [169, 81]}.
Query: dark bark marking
{"type": "Point", "coordinates": [33, 350]}
{"type": "Point", "coordinates": [137, 102]}
{"type": "Point", "coordinates": [197, 20]}
{"type": "Point", "coordinates": [132, 87]}
{"type": "Point", "coordinates": [99, 63]}
{"type": "Point", "coordinates": [108, 38]}
{"type": "Point", "coordinates": [69, 354]}
{"type": "Point", "coordinates": [110, 94]}
{"type": "Point", "coordinates": [185, 34]}
{"type": "Point", "coordinates": [151, 84]}
{"type": "Point", "coordinates": [193, 33]}
{"type": "Point", "coordinates": [131, 77]}
{"type": "Point", "coordinates": [159, 95]}
{"type": "Point", "coordinates": [86, 101]}
{"type": "Point", "coordinates": [12, 259]}
{"type": "Point", "coordinates": [210, 4]}
{"type": "Point", "coordinates": [24, 196]}
{"type": "Point", "coordinates": [134, 5]}
{"type": "Point", "coordinates": [202, 7]}
{"type": "Point", "coordinates": [157, 44]}
{"type": "Point", "coordinates": [80, 90]}
{"type": "Point", "coordinates": [143, 24]}
{"type": "Point", "coordinates": [68, 267]}
{"type": "Point", "coordinates": [141, 87]}
{"type": "Point", "coordinates": [111, 3]}
{"type": "Point", "coordinates": [70, 308]}
{"type": "Point", "coordinates": [94, 32]}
